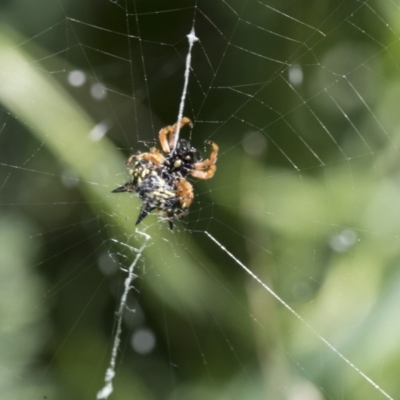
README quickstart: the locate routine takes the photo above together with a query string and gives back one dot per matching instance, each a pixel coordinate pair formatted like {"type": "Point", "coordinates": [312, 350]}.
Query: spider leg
{"type": "Point", "coordinates": [209, 161]}
{"type": "Point", "coordinates": [162, 137]}
{"type": "Point", "coordinates": [184, 192]}
{"type": "Point", "coordinates": [204, 174]}
{"type": "Point", "coordinates": [154, 157]}
{"type": "Point", "coordinates": [184, 121]}
{"type": "Point", "coordinates": [184, 195]}
{"type": "Point", "coordinates": [170, 130]}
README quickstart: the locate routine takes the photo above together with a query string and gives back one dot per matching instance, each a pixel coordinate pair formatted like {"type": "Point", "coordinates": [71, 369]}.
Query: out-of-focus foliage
{"type": "Point", "coordinates": [306, 195]}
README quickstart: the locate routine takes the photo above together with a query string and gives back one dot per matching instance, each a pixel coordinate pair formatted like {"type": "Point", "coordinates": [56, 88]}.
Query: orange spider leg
{"type": "Point", "coordinates": [154, 157]}
{"type": "Point", "coordinates": [204, 174]}
{"type": "Point", "coordinates": [184, 191]}
{"type": "Point", "coordinates": [184, 121]}
{"type": "Point", "coordinates": [208, 163]}
{"type": "Point", "coordinates": [166, 144]}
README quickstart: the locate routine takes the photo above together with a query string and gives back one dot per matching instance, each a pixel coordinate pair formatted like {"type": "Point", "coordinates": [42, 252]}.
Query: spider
{"type": "Point", "coordinates": [159, 179]}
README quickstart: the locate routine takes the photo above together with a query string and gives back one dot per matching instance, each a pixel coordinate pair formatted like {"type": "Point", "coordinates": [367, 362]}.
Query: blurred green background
{"type": "Point", "coordinates": [302, 98]}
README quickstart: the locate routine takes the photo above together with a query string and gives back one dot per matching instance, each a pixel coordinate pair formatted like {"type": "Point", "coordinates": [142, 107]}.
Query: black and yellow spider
{"type": "Point", "coordinates": [159, 177]}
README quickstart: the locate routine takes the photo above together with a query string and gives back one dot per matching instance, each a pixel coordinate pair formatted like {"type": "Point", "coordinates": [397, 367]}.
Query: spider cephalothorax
{"type": "Point", "coordinates": [159, 179]}
{"type": "Point", "coordinates": [182, 159]}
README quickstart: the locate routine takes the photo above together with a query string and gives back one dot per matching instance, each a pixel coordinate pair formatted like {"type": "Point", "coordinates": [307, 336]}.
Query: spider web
{"type": "Point", "coordinates": [281, 283]}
